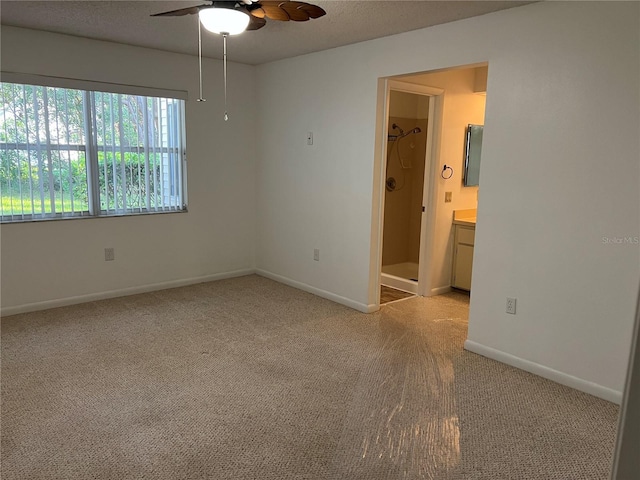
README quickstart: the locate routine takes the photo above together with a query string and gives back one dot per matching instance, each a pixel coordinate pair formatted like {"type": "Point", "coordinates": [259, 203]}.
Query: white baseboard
{"type": "Point", "coordinates": [591, 388]}
{"type": "Point", "coordinates": [362, 307]}
{"type": "Point", "coordinates": [439, 291]}
{"type": "Point", "coordinates": [122, 292]}
{"type": "Point", "coordinates": [399, 283]}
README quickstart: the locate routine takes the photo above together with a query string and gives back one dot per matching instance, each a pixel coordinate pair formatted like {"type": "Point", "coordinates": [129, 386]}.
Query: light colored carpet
{"type": "Point", "coordinates": [250, 379]}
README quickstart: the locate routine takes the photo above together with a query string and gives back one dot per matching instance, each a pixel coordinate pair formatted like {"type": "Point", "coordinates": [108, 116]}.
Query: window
{"type": "Point", "coordinates": [77, 153]}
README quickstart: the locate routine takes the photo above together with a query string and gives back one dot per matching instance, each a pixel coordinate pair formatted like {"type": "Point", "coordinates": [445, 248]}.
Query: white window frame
{"type": "Point", "coordinates": [89, 89]}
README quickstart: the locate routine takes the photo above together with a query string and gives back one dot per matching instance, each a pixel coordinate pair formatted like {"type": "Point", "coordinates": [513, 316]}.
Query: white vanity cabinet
{"type": "Point", "coordinates": [464, 235]}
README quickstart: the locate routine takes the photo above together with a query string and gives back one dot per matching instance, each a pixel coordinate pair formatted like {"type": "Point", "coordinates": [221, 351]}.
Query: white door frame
{"type": "Point", "coordinates": [427, 225]}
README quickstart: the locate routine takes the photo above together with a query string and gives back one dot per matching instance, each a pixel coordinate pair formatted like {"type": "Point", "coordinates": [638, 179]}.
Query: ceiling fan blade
{"type": "Point", "coordinates": [273, 11]}
{"type": "Point", "coordinates": [313, 10]}
{"type": "Point", "coordinates": [255, 23]}
{"type": "Point", "coordinates": [294, 11]}
{"type": "Point", "coordinates": [256, 11]}
{"type": "Point", "coordinates": [181, 11]}
{"type": "Point", "coordinates": [286, 10]}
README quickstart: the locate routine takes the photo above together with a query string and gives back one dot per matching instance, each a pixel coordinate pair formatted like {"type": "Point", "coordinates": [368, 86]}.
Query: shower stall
{"type": "Point", "coordinates": [404, 180]}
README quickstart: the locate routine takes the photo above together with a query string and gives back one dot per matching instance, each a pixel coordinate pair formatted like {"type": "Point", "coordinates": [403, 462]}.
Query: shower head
{"type": "Point", "coordinates": [395, 126]}
{"type": "Point", "coordinates": [403, 134]}
{"type": "Point", "coordinates": [415, 130]}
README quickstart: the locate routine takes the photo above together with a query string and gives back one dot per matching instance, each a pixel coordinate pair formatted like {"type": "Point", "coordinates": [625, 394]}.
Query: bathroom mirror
{"type": "Point", "coordinates": [473, 150]}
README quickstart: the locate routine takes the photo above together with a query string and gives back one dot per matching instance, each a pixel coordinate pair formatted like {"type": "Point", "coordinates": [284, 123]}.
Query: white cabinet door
{"type": "Point", "coordinates": [462, 266]}
{"type": "Point", "coordinates": [464, 239]}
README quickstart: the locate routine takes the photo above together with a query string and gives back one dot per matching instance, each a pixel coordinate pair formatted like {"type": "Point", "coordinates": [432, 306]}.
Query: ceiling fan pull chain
{"type": "Point", "coordinates": [224, 58]}
{"type": "Point", "coordinates": [200, 60]}
{"type": "Point", "coordinates": [234, 17]}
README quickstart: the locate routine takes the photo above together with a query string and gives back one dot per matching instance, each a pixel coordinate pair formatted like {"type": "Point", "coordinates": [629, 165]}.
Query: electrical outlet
{"type": "Point", "coordinates": [109, 254]}
{"type": "Point", "coordinates": [511, 306]}
{"type": "Point", "coordinates": [316, 254]}
{"type": "Point", "coordinates": [447, 197]}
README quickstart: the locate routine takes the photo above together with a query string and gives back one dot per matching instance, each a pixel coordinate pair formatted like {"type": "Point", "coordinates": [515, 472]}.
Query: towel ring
{"type": "Point", "coordinates": [444, 175]}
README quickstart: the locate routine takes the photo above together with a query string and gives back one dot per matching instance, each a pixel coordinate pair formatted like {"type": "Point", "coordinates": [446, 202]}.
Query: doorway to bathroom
{"type": "Point", "coordinates": [446, 193]}
{"type": "Point", "coordinates": [408, 143]}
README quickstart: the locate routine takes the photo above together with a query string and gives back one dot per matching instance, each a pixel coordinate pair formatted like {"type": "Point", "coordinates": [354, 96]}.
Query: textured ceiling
{"type": "Point", "coordinates": [346, 22]}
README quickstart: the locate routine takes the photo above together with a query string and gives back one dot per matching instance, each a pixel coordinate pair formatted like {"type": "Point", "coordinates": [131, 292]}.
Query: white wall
{"type": "Point", "coordinates": [408, 105]}
{"type": "Point", "coordinates": [57, 260]}
{"type": "Point", "coordinates": [560, 171]}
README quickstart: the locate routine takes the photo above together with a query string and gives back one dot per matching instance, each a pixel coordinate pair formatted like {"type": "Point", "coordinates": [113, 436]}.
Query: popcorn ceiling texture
{"type": "Point", "coordinates": [250, 379]}
{"type": "Point", "coordinates": [346, 22]}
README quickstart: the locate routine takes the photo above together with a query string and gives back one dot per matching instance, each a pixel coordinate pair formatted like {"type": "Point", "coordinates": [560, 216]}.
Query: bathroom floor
{"type": "Point", "coordinates": [408, 270]}
{"type": "Point", "coordinates": [388, 294]}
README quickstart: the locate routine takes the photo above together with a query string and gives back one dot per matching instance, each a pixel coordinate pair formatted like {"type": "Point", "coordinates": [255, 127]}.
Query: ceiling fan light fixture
{"type": "Point", "coordinates": [224, 20]}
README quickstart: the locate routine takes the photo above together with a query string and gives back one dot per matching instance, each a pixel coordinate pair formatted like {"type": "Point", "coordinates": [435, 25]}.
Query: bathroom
{"type": "Point", "coordinates": [406, 144]}
{"type": "Point", "coordinates": [426, 200]}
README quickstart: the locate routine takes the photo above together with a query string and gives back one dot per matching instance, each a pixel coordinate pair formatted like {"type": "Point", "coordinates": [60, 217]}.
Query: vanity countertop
{"type": "Point", "coordinates": [469, 222]}
{"type": "Point", "coordinates": [465, 217]}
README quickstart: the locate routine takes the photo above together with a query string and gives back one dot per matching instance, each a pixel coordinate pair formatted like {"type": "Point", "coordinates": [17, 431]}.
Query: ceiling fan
{"type": "Point", "coordinates": [234, 17]}
{"type": "Point", "coordinates": [255, 10]}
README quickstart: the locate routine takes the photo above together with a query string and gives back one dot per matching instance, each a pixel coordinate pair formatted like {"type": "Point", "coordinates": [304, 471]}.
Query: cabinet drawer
{"type": "Point", "coordinates": [466, 235]}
